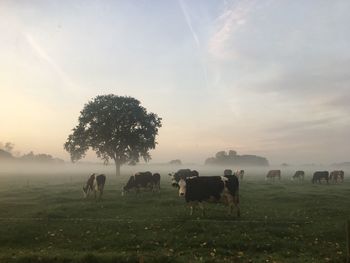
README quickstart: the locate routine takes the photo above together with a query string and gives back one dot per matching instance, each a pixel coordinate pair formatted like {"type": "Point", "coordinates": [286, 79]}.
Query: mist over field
{"type": "Point", "coordinates": [79, 172]}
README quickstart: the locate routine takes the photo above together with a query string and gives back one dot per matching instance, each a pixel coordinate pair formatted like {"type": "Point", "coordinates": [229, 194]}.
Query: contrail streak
{"type": "Point", "coordinates": [189, 22]}
{"type": "Point", "coordinates": [195, 38]}
{"type": "Point", "coordinates": [48, 59]}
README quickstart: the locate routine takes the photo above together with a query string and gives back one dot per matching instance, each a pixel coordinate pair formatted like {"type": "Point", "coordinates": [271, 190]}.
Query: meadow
{"type": "Point", "coordinates": [44, 218]}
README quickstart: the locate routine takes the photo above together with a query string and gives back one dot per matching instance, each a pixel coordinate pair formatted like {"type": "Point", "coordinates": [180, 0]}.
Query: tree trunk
{"type": "Point", "coordinates": [117, 168]}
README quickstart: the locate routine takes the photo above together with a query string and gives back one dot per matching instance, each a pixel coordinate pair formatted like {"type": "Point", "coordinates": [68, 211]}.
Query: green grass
{"type": "Point", "coordinates": [285, 221]}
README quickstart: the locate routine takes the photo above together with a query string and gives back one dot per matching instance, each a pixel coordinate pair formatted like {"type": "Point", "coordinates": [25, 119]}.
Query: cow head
{"type": "Point", "coordinates": [130, 184]}
{"type": "Point", "coordinates": [182, 187]}
{"type": "Point", "coordinates": [85, 190]}
{"type": "Point", "coordinates": [228, 172]}
{"type": "Point", "coordinates": [89, 185]}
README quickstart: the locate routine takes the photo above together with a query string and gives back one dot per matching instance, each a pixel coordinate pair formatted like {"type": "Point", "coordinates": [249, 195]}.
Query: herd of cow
{"type": "Point", "coordinates": [336, 176]}
{"type": "Point", "coordinates": [198, 189]}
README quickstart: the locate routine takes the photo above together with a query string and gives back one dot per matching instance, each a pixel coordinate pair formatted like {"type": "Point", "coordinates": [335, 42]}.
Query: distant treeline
{"type": "Point", "coordinates": [6, 155]}
{"type": "Point", "coordinates": [232, 158]}
{"type": "Point", "coordinates": [343, 164]}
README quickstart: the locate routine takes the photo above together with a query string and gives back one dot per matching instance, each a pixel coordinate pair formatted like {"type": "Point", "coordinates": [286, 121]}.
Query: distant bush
{"type": "Point", "coordinates": [175, 162]}
{"type": "Point", "coordinates": [232, 158]}
{"type": "Point", "coordinates": [41, 158]}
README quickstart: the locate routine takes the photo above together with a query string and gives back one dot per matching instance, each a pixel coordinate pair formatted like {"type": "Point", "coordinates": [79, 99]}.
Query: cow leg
{"type": "Point", "coordinates": [202, 208]}
{"type": "Point", "coordinates": [192, 207]}
{"type": "Point", "coordinates": [101, 192]}
{"type": "Point", "coordinates": [236, 202]}
{"type": "Point", "coordinates": [230, 204]}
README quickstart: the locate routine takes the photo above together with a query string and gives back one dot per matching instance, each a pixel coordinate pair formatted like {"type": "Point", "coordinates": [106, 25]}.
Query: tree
{"type": "Point", "coordinates": [232, 153]}
{"type": "Point", "coordinates": [8, 147]}
{"type": "Point", "coordinates": [221, 155]}
{"type": "Point", "coordinates": [117, 128]}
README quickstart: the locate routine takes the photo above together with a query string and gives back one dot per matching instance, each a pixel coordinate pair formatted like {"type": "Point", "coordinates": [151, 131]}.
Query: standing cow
{"type": "Point", "coordinates": [337, 176]}
{"type": "Point", "coordinates": [320, 175]}
{"type": "Point", "coordinates": [197, 190]}
{"type": "Point", "coordinates": [272, 174]}
{"type": "Point", "coordinates": [95, 184]}
{"type": "Point", "coordinates": [156, 182]}
{"type": "Point", "coordinates": [299, 175]}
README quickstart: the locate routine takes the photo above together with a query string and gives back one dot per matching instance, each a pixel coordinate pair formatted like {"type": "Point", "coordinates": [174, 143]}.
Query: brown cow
{"type": "Point", "coordinates": [272, 174]}
{"type": "Point", "coordinates": [337, 176]}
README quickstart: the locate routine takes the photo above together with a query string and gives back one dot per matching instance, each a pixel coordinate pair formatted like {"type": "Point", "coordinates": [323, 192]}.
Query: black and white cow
{"type": "Point", "coordinates": [182, 174]}
{"type": "Point", "coordinates": [319, 175]}
{"type": "Point", "coordinates": [197, 190]}
{"type": "Point", "coordinates": [142, 180]}
{"type": "Point", "coordinates": [299, 175]}
{"type": "Point", "coordinates": [95, 184]}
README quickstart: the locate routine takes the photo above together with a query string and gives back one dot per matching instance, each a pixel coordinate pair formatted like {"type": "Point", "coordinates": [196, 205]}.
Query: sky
{"type": "Point", "coordinates": [267, 77]}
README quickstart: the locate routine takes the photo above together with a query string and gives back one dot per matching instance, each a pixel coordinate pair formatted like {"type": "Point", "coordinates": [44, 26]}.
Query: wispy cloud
{"type": "Point", "coordinates": [42, 54]}
{"type": "Point", "coordinates": [234, 16]}
{"type": "Point", "coordinates": [303, 125]}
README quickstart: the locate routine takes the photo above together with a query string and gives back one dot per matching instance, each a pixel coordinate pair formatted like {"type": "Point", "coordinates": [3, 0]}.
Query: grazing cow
{"type": "Point", "coordinates": [239, 174]}
{"type": "Point", "coordinates": [299, 175]}
{"type": "Point", "coordinates": [210, 189]}
{"type": "Point", "coordinates": [95, 184]}
{"type": "Point", "coordinates": [319, 175]}
{"type": "Point", "coordinates": [143, 180]}
{"type": "Point", "coordinates": [272, 174]}
{"type": "Point", "coordinates": [182, 174]}
{"type": "Point", "coordinates": [337, 176]}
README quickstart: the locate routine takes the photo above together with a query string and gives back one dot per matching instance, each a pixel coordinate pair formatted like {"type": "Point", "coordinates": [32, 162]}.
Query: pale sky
{"type": "Point", "coordinates": [270, 78]}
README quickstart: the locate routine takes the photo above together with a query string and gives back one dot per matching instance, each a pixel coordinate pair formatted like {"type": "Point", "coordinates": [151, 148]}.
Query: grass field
{"type": "Point", "coordinates": [45, 219]}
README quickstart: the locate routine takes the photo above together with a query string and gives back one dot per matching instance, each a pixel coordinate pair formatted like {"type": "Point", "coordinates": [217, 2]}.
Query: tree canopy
{"type": "Point", "coordinates": [117, 128]}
